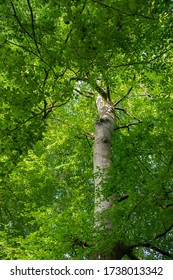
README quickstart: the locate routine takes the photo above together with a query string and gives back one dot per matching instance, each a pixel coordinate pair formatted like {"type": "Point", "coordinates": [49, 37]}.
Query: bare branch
{"type": "Point", "coordinates": [127, 125]}
{"type": "Point", "coordinates": [81, 93]}
{"type": "Point", "coordinates": [123, 110]}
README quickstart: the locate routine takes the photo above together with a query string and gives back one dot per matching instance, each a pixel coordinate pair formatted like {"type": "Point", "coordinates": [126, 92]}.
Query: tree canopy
{"type": "Point", "coordinates": [56, 58]}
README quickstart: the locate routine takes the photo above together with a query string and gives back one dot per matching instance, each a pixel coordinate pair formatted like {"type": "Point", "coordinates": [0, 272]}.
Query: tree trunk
{"type": "Point", "coordinates": [102, 150]}
{"type": "Point", "coordinates": [107, 248]}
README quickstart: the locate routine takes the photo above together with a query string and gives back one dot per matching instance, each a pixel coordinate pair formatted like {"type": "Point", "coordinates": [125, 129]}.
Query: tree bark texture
{"type": "Point", "coordinates": [104, 128]}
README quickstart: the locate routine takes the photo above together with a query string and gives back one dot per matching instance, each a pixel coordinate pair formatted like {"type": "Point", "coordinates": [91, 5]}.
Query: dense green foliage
{"type": "Point", "coordinates": [52, 55]}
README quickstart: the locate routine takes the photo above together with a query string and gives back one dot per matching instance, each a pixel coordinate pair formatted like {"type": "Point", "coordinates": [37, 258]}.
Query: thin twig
{"type": "Point", "coordinates": [145, 91]}
{"type": "Point", "coordinates": [127, 125]}
{"type": "Point", "coordinates": [129, 115]}
{"type": "Point", "coordinates": [25, 121]}
{"type": "Point", "coordinates": [123, 97]}
{"type": "Point", "coordinates": [120, 11]}
{"type": "Point", "coordinates": [81, 93]}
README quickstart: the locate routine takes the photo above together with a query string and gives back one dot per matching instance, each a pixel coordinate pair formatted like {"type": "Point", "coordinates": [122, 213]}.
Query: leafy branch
{"type": "Point", "coordinates": [33, 36]}
{"type": "Point", "coordinates": [35, 54]}
{"type": "Point", "coordinates": [142, 62]}
{"type": "Point", "coordinates": [44, 112]}
{"type": "Point", "coordinates": [122, 12]}
{"type": "Point", "coordinates": [33, 26]}
{"type": "Point", "coordinates": [164, 233]}
{"type": "Point", "coordinates": [48, 110]}
{"type": "Point", "coordinates": [19, 21]}
{"type": "Point", "coordinates": [155, 248]}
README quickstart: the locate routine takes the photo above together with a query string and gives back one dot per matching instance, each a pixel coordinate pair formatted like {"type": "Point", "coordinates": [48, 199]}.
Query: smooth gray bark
{"type": "Point", "coordinates": [104, 128]}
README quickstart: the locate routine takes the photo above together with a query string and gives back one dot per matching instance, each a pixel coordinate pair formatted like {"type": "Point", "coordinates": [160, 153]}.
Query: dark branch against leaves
{"type": "Point", "coordinates": [19, 21]}
{"type": "Point", "coordinates": [123, 97]}
{"type": "Point", "coordinates": [33, 26]}
{"type": "Point", "coordinates": [128, 125]}
{"type": "Point", "coordinates": [151, 245]}
{"type": "Point", "coordinates": [35, 54]}
{"type": "Point", "coordinates": [122, 12]}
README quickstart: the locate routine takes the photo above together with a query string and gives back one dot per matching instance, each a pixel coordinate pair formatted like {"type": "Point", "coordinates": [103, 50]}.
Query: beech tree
{"type": "Point", "coordinates": [86, 129]}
